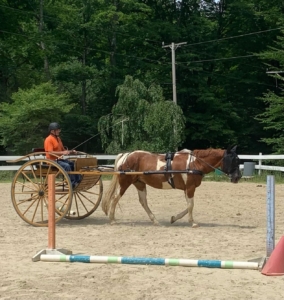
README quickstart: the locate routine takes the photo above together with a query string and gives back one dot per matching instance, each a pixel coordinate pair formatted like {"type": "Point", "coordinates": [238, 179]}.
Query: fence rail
{"type": "Point", "coordinates": [103, 157]}
{"type": "Point", "coordinates": [15, 167]}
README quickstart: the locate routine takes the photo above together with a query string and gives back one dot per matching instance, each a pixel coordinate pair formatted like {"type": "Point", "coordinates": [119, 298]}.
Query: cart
{"type": "Point", "coordinates": [29, 189]}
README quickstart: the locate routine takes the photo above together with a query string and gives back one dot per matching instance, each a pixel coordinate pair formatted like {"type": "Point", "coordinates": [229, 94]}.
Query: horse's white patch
{"type": "Point", "coordinates": [160, 164]}
{"type": "Point", "coordinates": [184, 177]}
{"type": "Point", "coordinates": [121, 159]}
{"type": "Point", "coordinates": [190, 201]}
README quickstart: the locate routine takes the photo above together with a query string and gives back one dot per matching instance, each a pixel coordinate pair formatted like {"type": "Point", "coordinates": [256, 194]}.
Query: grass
{"type": "Point", "coordinates": [262, 178]}
{"type": "Point", "coordinates": [7, 176]}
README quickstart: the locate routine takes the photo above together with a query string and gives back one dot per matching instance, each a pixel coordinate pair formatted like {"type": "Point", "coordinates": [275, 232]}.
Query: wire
{"type": "Point", "coordinates": [234, 37]}
{"type": "Point", "coordinates": [93, 49]}
{"type": "Point", "coordinates": [235, 78]}
{"type": "Point", "coordinates": [217, 59]}
{"type": "Point", "coordinates": [27, 12]}
{"type": "Point", "coordinates": [187, 45]}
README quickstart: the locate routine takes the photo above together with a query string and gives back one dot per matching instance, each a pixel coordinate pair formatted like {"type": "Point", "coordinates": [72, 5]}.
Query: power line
{"type": "Point", "coordinates": [90, 48]}
{"type": "Point", "coordinates": [217, 59]}
{"type": "Point", "coordinates": [235, 36]}
{"type": "Point", "coordinates": [135, 57]}
{"type": "Point", "coordinates": [27, 12]}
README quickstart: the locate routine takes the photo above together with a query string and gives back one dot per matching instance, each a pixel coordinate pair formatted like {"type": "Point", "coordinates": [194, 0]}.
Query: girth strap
{"type": "Point", "coordinates": [169, 176]}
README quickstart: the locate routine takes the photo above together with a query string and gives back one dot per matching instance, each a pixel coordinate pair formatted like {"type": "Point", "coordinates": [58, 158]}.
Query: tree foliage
{"type": "Point", "coordinates": [142, 119]}
{"type": "Point", "coordinates": [88, 49]}
{"type": "Point", "coordinates": [25, 120]}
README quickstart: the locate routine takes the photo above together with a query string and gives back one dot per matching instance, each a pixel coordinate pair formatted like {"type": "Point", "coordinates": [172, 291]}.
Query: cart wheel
{"type": "Point", "coordinates": [30, 191]}
{"type": "Point", "coordinates": [86, 201]}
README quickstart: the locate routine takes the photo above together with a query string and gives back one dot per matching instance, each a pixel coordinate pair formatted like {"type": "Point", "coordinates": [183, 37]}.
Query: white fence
{"type": "Point", "coordinates": [256, 158]}
{"type": "Point", "coordinates": [14, 167]}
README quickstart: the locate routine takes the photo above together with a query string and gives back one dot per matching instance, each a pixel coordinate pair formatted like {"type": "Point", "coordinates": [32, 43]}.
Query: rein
{"type": "Point", "coordinates": [204, 162]}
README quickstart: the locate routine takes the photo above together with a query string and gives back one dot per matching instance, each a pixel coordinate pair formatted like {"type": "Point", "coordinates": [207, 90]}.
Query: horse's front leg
{"type": "Point", "coordinates": [189, 196]}
{"type": "Point", "coordinates": [190, 205]}
{"type": "Point", "coordinates": [179, 216]}
{"type": "Point", "coordinates": [143, 200]}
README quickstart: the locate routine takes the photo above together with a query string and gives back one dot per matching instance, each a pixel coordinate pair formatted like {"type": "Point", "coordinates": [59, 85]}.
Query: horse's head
{"type": "Point", "coordinates": [231, 164]}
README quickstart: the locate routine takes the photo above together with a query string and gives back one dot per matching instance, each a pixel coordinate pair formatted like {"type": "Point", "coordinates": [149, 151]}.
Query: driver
{"type": "Point", "coordinates": [54, 144]}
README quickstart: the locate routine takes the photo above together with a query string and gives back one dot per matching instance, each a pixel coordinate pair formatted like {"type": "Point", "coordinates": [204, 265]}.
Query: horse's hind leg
{"type": "Point", "coordinates": [142, 193]}
{"type": "Point", "coordinates": [112, 208]}
{"type": "Point", "coordinates": [124, 184]}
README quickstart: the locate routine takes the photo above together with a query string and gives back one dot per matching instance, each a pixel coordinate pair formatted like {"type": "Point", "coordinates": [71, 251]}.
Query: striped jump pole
{"type": "Point", "coordinates": [151, 261]}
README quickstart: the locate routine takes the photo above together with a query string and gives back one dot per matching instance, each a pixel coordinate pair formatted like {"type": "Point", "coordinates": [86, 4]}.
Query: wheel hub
{"type": "Point", "coordinates": [41, 193]}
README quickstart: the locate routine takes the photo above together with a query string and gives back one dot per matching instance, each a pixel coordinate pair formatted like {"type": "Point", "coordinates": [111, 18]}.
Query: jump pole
{"type": "Point", "coordinates": [51, 250]}
{"type": "Point", "coordinates": [151, 261]}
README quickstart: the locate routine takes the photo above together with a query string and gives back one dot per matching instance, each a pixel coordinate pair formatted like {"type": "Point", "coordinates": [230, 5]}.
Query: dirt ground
{"type": "Point", "coordinates": [232, 219]}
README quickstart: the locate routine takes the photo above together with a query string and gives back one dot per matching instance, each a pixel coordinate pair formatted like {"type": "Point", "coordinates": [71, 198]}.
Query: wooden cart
{"type": "Point", "coordinates": [29, 189]}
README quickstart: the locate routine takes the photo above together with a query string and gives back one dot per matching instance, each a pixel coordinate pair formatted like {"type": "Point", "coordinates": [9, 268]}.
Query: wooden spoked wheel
{"type": "Point", "coordinates": [86, 197]}
{"type": "Point", "coordinates": [30, 191]}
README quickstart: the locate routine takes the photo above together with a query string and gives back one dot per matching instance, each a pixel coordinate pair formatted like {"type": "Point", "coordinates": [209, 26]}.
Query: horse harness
{"type": "Point", "coordinates": [168, 167]}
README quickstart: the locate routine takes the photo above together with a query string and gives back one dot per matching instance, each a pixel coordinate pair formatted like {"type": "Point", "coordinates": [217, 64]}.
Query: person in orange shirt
{"type": "Point", "coordinates": [54, 144]}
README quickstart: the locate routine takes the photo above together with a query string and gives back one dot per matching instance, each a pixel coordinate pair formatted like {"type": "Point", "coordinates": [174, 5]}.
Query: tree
{"type": "Point", "coordinates": [142, 119]}
{"type": "Point", "coordinates": [272, 117]}
{"type": "Point", "coordinates": [24, 122]}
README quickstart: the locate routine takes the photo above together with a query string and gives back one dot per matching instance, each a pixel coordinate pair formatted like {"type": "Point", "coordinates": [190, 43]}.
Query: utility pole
{"type": "Point", "coordinates": [173, 47]}
{"type": "Point", "coordinates": [275, 72]}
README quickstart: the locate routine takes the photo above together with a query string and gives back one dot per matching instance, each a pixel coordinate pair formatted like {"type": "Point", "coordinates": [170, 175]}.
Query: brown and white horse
{"type": "Point", "coordinates": [184, 170]}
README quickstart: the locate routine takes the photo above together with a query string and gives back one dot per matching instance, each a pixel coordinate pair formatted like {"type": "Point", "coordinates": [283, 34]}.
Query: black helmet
{"type": "Point", "coordinates": [53, 126]}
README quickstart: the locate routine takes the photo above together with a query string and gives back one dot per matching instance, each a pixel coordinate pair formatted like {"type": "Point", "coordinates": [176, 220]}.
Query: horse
{"type": "Point", "coordinates": [181, 170]}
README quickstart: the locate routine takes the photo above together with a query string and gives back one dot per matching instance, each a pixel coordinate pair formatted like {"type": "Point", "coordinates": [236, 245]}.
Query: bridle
{"type": "Point", "coordinates": [223, 159]}
{"type": "Point", "coordinates": [232, 160]}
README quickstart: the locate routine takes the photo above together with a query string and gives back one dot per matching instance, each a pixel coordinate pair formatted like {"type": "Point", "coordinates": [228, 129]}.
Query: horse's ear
{"type": "Point", "coordinates": [232, 149]}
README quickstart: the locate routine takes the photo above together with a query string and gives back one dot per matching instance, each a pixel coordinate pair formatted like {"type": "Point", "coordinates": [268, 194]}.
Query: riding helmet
{"type": "Point", "coordinates": [53, 126]}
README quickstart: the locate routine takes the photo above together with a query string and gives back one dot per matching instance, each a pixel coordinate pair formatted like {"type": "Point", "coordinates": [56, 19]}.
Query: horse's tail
{"type": "Point", "coordinates": [109, 194]}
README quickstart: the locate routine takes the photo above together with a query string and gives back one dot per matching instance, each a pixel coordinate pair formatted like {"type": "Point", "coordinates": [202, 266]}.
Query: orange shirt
{"type": "Point", "coordinates": [52, 143]}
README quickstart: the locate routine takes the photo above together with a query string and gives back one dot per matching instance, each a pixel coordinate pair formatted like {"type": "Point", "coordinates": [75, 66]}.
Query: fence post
{"type": "Point", "coordinates": [259, 164]}
{"type": "Point", "coordinates": [51, 211]}
{"type": "Point", "coordinates": [51, 249]}
{"type": "Point", "coordinates": [270, 211]}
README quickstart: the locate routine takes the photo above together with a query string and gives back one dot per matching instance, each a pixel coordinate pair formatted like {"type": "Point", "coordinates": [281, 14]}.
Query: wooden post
{"type": "Point", "coordinates": [51, 211]}
{"type": "Point", "coordinates": [51, 250]}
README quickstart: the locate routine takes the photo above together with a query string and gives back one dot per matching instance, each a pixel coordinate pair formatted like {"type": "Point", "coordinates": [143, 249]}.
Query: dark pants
{"type": "Point", "coordinates": [68, 166]}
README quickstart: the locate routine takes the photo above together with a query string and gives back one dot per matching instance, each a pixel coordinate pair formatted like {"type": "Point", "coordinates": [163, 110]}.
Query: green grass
{"type": "Point", "coordinates": [7, 176]}
{"type": "Point", "coordinates": [262, 178]}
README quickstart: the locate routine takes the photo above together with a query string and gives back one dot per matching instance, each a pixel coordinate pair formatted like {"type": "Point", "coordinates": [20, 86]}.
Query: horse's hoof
{"type": "Point", "coordinates": [172, 219]}
{"type": "Point", "coordinates": [112, 222]}
{"type": "Point", "coordinates": [195, 225]}
{"type": "Point", "coordinates": [156, 223]}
